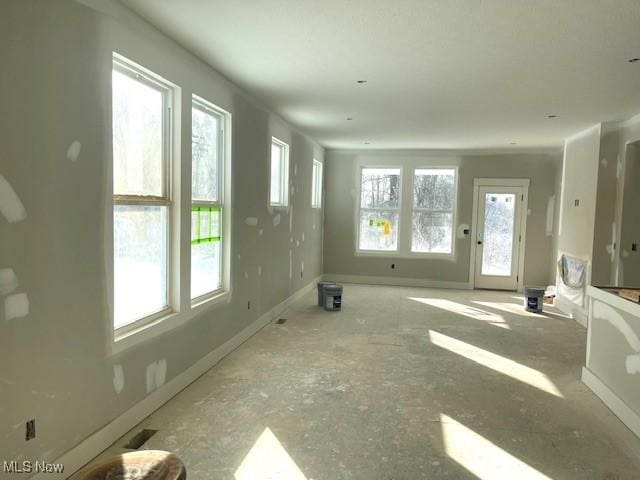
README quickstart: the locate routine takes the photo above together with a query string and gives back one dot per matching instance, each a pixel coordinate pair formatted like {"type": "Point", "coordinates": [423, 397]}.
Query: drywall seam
{"type": "Point", "coordinates": [83, 453]}
{"type": "Point", "coordinates": [276, 220]}
{"type": "Point", "coordinates": [10, 204]}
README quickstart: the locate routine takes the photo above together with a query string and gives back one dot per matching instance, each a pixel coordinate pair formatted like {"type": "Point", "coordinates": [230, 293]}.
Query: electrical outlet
{"type": "Point", "coordinates": [249, 305]}
{"type": "Point", "coordinates": [30, 430]}
{"type": "Point", "coordinates": [393, 266]}
{"type": "Point", "coordinates": [576, 203]}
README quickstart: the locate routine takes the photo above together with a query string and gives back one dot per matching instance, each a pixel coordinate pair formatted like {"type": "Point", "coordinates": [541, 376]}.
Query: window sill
{"type": "Point", "coordinates": [166, 323]}
{"type": "Point", "coordinates": [412, 255]}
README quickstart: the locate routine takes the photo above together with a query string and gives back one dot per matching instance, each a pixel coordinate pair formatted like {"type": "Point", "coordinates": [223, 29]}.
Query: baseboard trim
{"type": "Point", "coordinates": [619, 408]}
{"type": "Point", "coordinates": [396, 281]}
{"type": "Point", "coordinates": [83, 453]}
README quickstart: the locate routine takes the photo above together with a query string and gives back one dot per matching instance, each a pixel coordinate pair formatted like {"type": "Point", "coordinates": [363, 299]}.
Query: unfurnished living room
{"type": "Point", "coordinates": [320, 239]}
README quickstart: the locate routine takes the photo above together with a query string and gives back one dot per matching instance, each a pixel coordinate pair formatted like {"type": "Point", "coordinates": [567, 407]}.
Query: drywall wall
{"type": "Point", "coordinates": [629, 224]}
{"type": "Point", "coordinates": [56, 364]}
{"type": "Point", "coordinates": [577, 214]}
{"type": "Point", "coordinates": [341, 204]}
{"type": "Point", "coordinates": [616, 151]}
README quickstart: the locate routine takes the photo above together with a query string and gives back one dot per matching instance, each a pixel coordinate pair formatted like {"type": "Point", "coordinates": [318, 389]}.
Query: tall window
{"type": "Point", "coordinates": [379, 209]}
{"type": "Point", "coordinates": [141, 192]}
{"type": "Point", "coordinates": [316, 185]}
{"type": "Point", "coordinates": [207, 194]}
{"type": "Point", "coordinates": [279, 177]}
{"type": "Point", "coordinates": [433, 206]}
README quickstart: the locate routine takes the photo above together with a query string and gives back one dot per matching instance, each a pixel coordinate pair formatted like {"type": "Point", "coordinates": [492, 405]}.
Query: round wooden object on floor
{"type": "Point", "coordinates": [142, 465]}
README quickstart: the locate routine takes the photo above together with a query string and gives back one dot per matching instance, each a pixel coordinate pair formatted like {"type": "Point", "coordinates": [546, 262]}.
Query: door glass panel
{"type": "Point", "coordinates": [497, 252]}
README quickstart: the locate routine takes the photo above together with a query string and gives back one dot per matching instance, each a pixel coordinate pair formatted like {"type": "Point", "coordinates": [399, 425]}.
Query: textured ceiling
{"type": "Point", "coordinates": [441, 74]}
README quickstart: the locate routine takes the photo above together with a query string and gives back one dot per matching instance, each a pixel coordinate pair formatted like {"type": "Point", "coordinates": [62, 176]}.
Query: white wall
{"type": "Point", "coordinates": [339, 243]}
{"type": "Point", "coordinates": [56, 363]}
{"type": "Point", "coordinates": [577, 210]}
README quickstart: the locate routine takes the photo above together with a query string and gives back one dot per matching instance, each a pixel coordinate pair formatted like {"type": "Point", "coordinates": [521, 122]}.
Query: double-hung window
{"type": "Point", "coordinates": [380, 191]}
{"type": "Point", "coordinates": [142, 132]}
{"type": "Point", "coordinates": [433, 210]}
{"type": "Point", "coordinates": [316, 185]}
{"type": "Point", "coordinates": [207, 198]}
{"type": "Point", "coordinates": [279, 174]}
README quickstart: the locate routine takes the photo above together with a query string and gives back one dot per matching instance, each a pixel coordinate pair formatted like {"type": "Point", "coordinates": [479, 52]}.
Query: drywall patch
{"type": "Point", "coordinates": [251, 221]}
{"type": "Point", "coordinates": [297, 243]}
{"type": "Point", "coordinates": [313, 227]}
{"type": "Point", "coordinates": [295, 169]}
{"type": "Point", "coordinates": [161, 373]}
{"type": "Point", "coordinates": [633, 364]}
{"type": "Point", "coordinates": [260, 232]}
{"type": "Point", "coordinates": [156, 375]}
{"type": "Point", "coordinates": [8, 281]}
{"type": "Point", "coordinates": [118, 378]}
{"type": "Point", "coordinates": [73, 152]}
{"type": "Point", "coordinates": [259, 270]}
{"type": "Point", "coordinates": [303, 237]}
{"type": "Point", "coordinates": [10, 204]}
{"type": "Point", "coordinates": [276, 220]}
{"type": "Point", "coordinates": [246, 275]}
{"type": "Point", "coordinates": [604, 162]}
{"type": "Point", "coordinates": [290, 264]}
{"type": "Point", "coordinates": [291, 220]}
{"type": "Point", "coordinates": [551, 207]}
{"type": "Point", "coordinates": [16, 306]}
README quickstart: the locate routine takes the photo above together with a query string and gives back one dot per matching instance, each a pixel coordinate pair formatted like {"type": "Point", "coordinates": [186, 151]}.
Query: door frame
{"type": "Point", "coordinates": [499, 182]}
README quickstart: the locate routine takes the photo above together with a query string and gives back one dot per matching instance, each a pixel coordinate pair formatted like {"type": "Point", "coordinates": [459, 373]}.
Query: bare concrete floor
{"type": "Point", "coordinates": [403, 383]}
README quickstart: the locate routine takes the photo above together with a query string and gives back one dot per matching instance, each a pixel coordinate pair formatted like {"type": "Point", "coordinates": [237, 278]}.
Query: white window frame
{"type": "Point", "coordinates": [407, 164]}
{"type": "Point", "coordinates": [316, 184]}
{"type": "Point", "coordinates": [284, 176]}
{"type": "Point", "coordinates": [452, 211]}
{"type": "Point", "coordinates": [139, 73]}
{"type": "Point", "coordinates": [379, 253]}
{"type": "Point", "coordinates": [224, 120]}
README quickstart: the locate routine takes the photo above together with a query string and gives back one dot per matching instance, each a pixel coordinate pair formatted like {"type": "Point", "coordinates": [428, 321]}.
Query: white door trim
{"type": "Point", "coordinates": [499, 182]}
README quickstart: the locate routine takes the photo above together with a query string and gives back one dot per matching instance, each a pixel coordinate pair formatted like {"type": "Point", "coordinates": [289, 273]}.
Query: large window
{"type": "Point", "coordinates": [279, 174]}
{"type": "Point", "coordinates": [141, 192]}
{"type": "Point", "coordinates": [379, 209]}
{"type": "Point", "coordinates": [433, 208]}
{"type": "Point", "coordinates": [316, 185]}
{"type": "Point", "coordinates": [207, 195]}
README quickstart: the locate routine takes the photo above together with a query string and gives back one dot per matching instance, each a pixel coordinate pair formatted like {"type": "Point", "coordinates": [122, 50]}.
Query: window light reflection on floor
{"type": "Point", "coordinates": [495, 362]}
{"type": "Point", "coordinates": [481, 457]}
{"type": "Point", "coordinates": [465, 310]}
{"type": "Point", "coordinates": [268, 460]}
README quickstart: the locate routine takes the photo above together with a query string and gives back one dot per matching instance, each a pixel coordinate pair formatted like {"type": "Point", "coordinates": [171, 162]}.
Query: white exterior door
{"type": "Point", "coordinates": [499, 211]}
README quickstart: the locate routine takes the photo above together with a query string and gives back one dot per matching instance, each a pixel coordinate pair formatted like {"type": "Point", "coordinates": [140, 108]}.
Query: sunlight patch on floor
{"type": "Point", "coordinates": [495, 362]}
{"type": "Point", "coordinates": [465, 310]}
{"type": "Point", "coordinates": [481, 457]}
{"type": "Point", "coordinates": [268, 460]}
